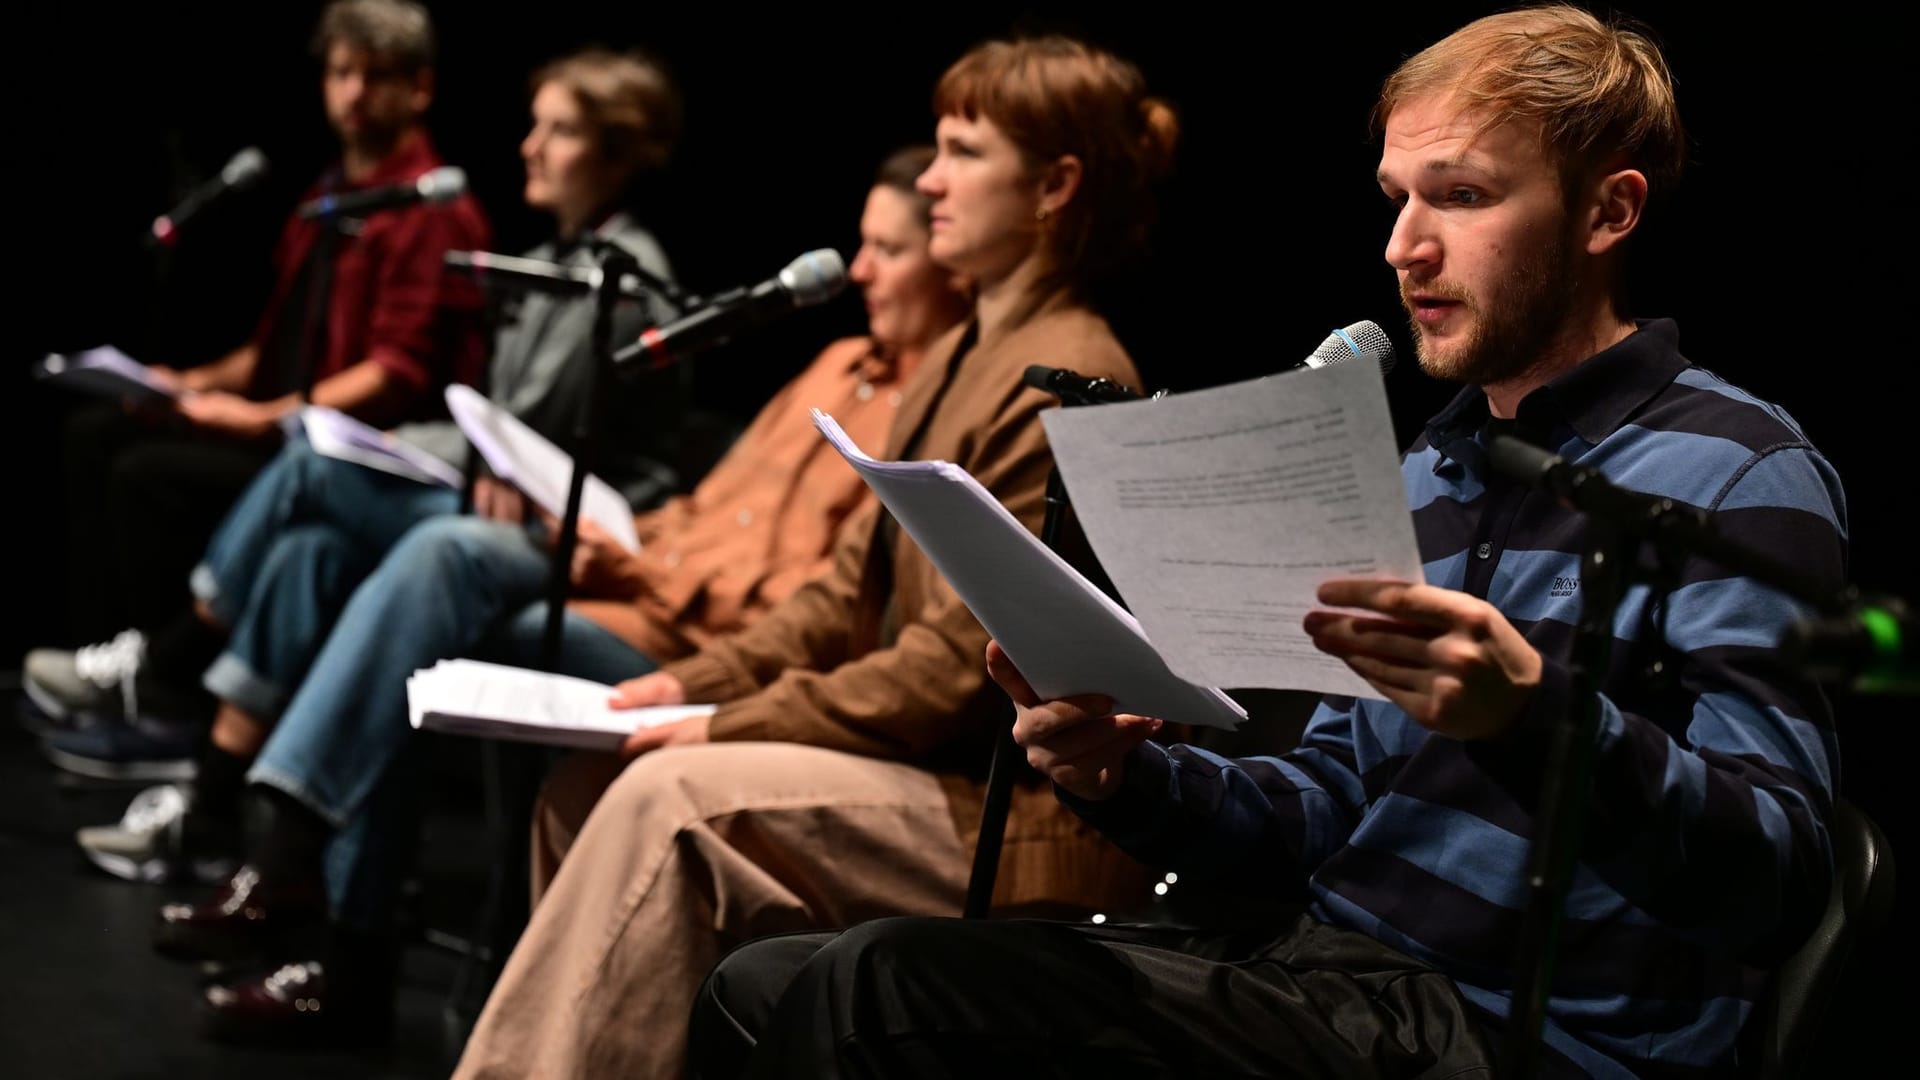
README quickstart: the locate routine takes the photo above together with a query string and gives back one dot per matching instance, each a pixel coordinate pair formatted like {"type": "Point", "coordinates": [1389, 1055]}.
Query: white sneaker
{"type": "Point", "coordinates": [88, 679]}
{"type": "Point", "coordinates": [150, 842]}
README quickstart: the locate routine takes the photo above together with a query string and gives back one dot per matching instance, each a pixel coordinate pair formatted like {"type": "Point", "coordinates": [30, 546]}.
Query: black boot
{"type": "Point", "coordinates": [343, 996]}
{"type": "Point", "coordinates": [274, 895]}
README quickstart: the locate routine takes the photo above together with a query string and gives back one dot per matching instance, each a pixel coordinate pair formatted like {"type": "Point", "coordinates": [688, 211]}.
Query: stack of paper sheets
{"type": "Point", "coordinates": [529, 461]}
{"type": "Point", "coordinates": [1064, 634]}
{"type": "Point", "coordinates": [1219, 513]}
{"type": "Point", "coordinates": [108, 372]}
{"type": "Point", "coordinates": [492, 701]}
{"type": "Point", "coordinates": [337, 435]}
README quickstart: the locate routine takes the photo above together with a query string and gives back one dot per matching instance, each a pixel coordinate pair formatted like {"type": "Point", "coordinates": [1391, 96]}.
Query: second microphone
{"type": "Point", "coordinates": [813, 278]}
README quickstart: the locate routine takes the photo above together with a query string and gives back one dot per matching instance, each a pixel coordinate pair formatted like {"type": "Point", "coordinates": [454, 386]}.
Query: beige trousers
{"type": "Point", "coordinates": [692, 850]}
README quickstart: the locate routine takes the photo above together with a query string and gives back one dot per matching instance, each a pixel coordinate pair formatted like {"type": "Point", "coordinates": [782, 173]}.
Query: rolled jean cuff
{"type": "Point", "coordinates": [265, 772]}
{"type": "Point", "coordinates": [232, 681]}
{"type": "Point", "coordinates": [205, 586]}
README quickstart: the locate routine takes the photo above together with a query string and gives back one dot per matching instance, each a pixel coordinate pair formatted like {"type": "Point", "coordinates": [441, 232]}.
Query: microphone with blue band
{"type": "Point", "coordinates": [435, 186]}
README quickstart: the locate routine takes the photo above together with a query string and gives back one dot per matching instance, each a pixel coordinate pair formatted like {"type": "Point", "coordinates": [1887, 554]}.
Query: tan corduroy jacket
{"type": "Point", "coordinates": [881, 658]}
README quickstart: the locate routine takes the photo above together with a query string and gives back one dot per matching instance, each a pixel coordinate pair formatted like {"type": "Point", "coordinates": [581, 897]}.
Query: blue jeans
{"type": "Point", "coordinates": [454, 586]}
{"type": "Point", "coordinates": [286, 558]}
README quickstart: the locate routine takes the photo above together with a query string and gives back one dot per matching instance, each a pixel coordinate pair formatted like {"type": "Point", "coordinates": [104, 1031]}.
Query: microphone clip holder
{"type": "Point", "coordinates": [538, 275]}
{"type": "Point", "coordinates": [1074, 389]}
{"type": "Point", "coordinates": [1100, 391]}
{"type": "Point", "coordinates": [604, 249]}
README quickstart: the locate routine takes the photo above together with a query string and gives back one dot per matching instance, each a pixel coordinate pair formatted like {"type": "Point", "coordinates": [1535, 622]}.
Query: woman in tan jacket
{"type": "Point", "coordinates": [840, 777]}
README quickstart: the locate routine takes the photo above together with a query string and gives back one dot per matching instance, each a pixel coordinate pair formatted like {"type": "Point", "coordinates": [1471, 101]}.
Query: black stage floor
{"type": "Point", "coordinates": [83, 994]}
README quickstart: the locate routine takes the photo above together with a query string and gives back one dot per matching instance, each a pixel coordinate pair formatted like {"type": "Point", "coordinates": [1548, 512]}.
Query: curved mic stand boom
{"type": "Point", "coordinates": [511, 784]}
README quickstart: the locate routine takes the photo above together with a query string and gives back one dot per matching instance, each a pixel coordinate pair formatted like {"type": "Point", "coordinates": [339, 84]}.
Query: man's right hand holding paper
{"type": "Point", "coordinates": [1077, 742]}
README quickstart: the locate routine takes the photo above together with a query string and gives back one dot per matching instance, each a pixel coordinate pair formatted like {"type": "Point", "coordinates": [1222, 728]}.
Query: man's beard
{"type": "Point", "coordinates": [370, 138]}
{"type": "Point", "coordinates": [1514, 322]}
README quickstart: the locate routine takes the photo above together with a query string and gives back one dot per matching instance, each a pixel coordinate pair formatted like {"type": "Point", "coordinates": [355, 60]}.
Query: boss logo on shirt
{"type": "Point", "coordinates": [1564, 586]}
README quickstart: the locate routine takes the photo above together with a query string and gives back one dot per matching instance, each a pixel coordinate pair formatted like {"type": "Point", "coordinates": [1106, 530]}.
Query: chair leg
{"type": "Point", "coordinates": [511, 776]}
{"type": "Point", "coordinates": [1007, 762]}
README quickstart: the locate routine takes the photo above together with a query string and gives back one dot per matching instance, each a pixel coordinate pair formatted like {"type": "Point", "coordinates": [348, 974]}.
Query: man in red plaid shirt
{"type": "Point", "coordinates": [362, 317]}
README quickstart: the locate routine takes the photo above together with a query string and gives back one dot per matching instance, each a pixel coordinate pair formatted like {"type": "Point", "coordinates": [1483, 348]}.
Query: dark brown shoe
{"type": "Point", "coordinates": [295, 1005]}
{"type": "Point", "coordinates": [249, 918]}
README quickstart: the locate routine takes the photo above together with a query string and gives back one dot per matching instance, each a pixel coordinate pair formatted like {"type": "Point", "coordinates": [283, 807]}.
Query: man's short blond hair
{"type": "Point", "coordinates": [1600, 91]}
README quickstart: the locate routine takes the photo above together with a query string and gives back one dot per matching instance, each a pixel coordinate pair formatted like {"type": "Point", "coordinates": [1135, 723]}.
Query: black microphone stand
{"type": "Point", "coordinates": [326, 247]}
{"type": "Point", "coordinates": [1621, 522]}
{"type": "Point", "coordinates": [1008, 758]}
{"type": "Point", "coordinates": [512, 773]}
{"type": "Point", "coordinates": [1605, 575]}
{"type": "Point", "coordinates": [615, 265]}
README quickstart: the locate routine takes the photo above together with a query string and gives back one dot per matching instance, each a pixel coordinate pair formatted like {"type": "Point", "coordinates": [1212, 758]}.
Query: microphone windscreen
{"type": "Point", "coordinates": [1373, 342]}
{"type": "Point", "coordinates": [814, 278]}
{"type": "Point", "coordinates": [244, 169]}
{"type": "Point", "coordinates": [443, 184]}
{"type": "Point", "coordinates": [1364, 338]}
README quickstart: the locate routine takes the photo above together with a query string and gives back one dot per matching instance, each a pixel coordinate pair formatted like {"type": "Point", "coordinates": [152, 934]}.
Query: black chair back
{"type": "Point", "coordinates": [1859, 906]}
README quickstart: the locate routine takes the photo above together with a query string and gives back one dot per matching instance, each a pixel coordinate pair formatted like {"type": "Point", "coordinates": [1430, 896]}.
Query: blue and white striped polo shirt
{"type": "Point", "coordinates": [1706, 855]}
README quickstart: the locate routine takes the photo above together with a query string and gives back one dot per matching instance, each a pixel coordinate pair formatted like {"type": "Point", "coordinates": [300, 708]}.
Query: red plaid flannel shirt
{"type": "Point", "coordinates": [391, 300]}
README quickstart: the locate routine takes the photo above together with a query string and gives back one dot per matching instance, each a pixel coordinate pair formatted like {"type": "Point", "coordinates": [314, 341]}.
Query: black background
{"type": "Point", "coordinates": [1787, 254]}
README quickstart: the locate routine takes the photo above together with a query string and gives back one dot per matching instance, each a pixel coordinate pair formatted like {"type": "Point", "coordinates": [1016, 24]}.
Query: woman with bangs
{"type": "Point", "coordinates": [840, 777]}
